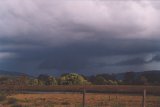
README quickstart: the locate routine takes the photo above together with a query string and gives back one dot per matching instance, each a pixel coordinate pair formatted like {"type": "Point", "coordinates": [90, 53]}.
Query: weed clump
{"type": "Point", "coordinates": [12, 101]}
{"type": "Point", "coordinates": [16, 105]}
{"type": "Point", "coordinates": [2, 97]}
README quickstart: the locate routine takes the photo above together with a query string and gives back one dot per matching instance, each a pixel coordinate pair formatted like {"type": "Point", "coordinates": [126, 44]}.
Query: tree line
{"type": "Point", "coordinates": [128, 78]}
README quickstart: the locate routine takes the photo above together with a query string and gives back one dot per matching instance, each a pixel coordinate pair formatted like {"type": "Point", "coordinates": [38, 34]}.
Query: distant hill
{"type": "Point", "coordinates": [152, 73]}
{"type": "Point", "coordinates": [12, 74]}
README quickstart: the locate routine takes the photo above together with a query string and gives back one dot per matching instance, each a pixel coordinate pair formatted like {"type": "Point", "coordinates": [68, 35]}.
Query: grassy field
{"type": "Point", "coordinates": [75, 100]}
{"type": "Point", "coordinates": [121, 96]}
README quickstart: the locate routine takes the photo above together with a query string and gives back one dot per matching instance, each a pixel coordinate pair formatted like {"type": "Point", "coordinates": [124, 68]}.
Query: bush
{"type": "Point", "coordinates": [2, 97]}
{"type": "Point", "coordinates": [12, 101]}
{"type": "Point", "coordinates": [72, 79]}
{"type": "Point", "coordinates": [16, 105]}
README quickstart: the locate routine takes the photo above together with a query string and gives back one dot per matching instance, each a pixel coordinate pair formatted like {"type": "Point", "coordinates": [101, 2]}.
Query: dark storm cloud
{"type": "Point", "coordinates": [78, 55]}
{"type": "Point", "coordinates": [156, 58]}
{"type": "Point", "coordinates": [67, 35]}
{"type": "Point", "coordinates": [135, 61]}
{"type": "Point", "coordinates": [139, 61]}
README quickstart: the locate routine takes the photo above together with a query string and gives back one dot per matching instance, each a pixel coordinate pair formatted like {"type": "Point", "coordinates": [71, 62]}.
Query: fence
{"type": "Point", "coordinates": [101, 96]}
{"type": "Point", "coordinates": [118, 102]}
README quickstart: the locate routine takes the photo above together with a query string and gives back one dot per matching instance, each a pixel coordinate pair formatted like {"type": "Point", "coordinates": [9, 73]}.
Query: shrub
{"type": "Point", "coordinates": [16, 105]}
{"type": "Point", "coordinates": [2, 97]}
{"type": "Point", "coordinates": [12, 101]}
{"type": "Point", "coordinates": [65, 103]}
{"type": "Point", "coordinates": [118, 104]}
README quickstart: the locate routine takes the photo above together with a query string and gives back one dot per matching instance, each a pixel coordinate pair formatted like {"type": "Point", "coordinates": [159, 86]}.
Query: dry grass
{"type": "Point", "coordinates": [92, 100]}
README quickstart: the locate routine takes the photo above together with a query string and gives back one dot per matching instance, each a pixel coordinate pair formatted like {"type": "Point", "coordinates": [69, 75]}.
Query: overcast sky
{"type": "Point", "coordinates": [83, 36]}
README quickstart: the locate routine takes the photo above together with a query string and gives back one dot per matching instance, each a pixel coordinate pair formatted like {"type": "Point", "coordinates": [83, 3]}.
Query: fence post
{"type": "Point", "coordinates": [109, 99]}
{"type": "Point", "coordinates": [84, 96]}
{"type": "Point", "coordinates": [144, 98]}
{"type": "Point", "coordinates": [116, 101]}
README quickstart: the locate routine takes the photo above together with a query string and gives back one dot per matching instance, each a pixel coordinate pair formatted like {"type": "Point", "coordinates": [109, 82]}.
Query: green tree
{"type": "Point", "coordinates": [46, 80]}
{"type": "Point", "coordinates": [99, 80]}
{"type": "Point", "coordinates": [33, 82]}
{"type": "Point", "coordinates": [72, 79]}
{"type": "Point", "coordinates": [51, 81]}
{"type": "Point", "coordinates": [129, 77]}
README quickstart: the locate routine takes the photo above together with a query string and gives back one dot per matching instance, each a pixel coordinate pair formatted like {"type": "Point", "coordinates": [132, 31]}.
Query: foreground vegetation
{"type": "Point", "coordinates": [54, 96]}
{"type": "Point", "coordinates": [75, 100]}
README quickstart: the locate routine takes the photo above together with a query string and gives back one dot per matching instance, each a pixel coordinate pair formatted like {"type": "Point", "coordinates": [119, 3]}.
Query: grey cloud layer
{"type": "Point", "coordinates": [129, 19]}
